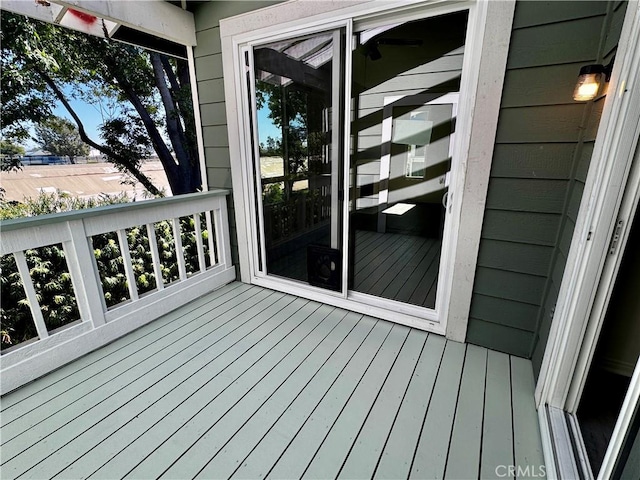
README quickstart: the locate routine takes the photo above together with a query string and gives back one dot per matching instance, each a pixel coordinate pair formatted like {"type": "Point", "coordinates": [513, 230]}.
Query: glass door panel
{"type": "Point", "coordinates": [406, 79]}
{"type": "Point", "coordinates": [298, 107]}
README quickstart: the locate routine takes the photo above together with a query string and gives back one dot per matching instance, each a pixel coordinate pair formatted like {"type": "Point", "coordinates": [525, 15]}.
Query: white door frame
{"type": "Point", "coordinates": [610, 195]}
{"type": "Point", "coordinates": [489, 32]}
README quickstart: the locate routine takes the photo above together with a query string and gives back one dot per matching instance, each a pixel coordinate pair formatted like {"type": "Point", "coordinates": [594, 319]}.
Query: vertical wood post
{"type": "Point", "coordinates": [222, 232]}
{"type": "Point", "coordinates": [155, 256]}
{"type": "Point", "coordinates": [84, 274]}
{"type": "Point", "coordinates": [182, 266]}
{"type": "Point", "coordinates": [32, 298]}
{"type": "Point", "coordinates": [199, 243]}
{"type": "Point", "coordinates": [128, 267]}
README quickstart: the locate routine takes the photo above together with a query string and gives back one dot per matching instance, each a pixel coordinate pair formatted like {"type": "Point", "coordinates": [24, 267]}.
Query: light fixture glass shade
{"type": "Point", "coordinates": [588, 83]}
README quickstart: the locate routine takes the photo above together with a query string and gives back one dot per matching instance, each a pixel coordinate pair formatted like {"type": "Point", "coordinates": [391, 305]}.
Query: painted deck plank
{"type": "Point", "coordinates": [309, 439]}
{"type": "Point", "coordinates": [89, 402]}
{"type": "Point", "coordinates": [261, 384]}
{"type": "Point", "coordinates": [275, 441]}
{"type": "Point", "coordinates": [526, 430]}
{"type": "Point", "coordinates": [32, 395]}
{"type": "Point", "coordinates": [267, 448]}
{"type": "Point", "coordinates": [367, 449]}
{"type": "Point", "coordinates": [497, 436]}
{"type": "Point", "coordinates": [161, 445]}
{"type": "Point", "coordinates": [78, 435]}
{"type": "Point", "coordinates": [464, 452]}
{"type": "Point", "coordinates": [335, 446]}
{"type": "Point", "coordinates": [397, 456]}
{"type": "Point", "coordinates": [182, 386]}
{"type": "Point", "coordinates": [58, 397]}
{"type": "Point", "coordinates": [300, 450]}
{"type": "Point", "coordinates": [311, 370]}
{"type": "Point", "coordinates": [301, 363]}
{"type": "Point", "coordinates": [431, 453]}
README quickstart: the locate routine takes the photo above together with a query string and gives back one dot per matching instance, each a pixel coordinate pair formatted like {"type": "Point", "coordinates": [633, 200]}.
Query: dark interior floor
{"type": "Point", "coordinates": [598, 412]}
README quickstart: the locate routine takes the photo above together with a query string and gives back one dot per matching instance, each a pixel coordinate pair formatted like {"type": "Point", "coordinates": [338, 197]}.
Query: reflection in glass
{"type": "Point", "coordinates": [297, 105]}
{"type": "Point", "coordinates": [405, 83]}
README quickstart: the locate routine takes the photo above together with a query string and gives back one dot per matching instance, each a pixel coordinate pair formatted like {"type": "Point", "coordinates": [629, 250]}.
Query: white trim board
{"type": "Point", "coordinates": [610, 195]}
{"type": "Point", "coordinates": [489, 32]}
{"type": "Point", "coordinates": [611, 162]}
{"type": "Point", "coordinates": [160, 19]}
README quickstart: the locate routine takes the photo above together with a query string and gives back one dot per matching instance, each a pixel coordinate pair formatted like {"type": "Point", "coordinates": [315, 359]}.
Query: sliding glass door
{"type": "Point", "coordinates": [298, 104]}
{"type": "Point", "coordinates": [405, 84]}
{"type": "Point", "coordinates": [353, 155]}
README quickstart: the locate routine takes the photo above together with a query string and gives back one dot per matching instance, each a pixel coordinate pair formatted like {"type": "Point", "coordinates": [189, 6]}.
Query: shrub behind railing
{"type": "Point", "coordinates": [50, 273]}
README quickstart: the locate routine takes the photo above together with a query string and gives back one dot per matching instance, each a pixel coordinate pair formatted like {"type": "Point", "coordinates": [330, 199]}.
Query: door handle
{"type": "Point", "coordinates": [445, 200]}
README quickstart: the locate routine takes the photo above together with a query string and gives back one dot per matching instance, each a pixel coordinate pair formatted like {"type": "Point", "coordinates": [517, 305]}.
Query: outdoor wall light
{"type": "Point", "coordinates": [589, 81]}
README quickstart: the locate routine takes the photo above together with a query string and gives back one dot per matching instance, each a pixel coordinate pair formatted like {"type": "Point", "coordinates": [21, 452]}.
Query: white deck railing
{"type": "Point", "coordinates": [99, 324]}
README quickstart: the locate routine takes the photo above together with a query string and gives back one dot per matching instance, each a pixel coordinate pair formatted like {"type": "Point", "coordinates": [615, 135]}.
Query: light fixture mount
{"type": "Point", "coordinates": [590, 80]}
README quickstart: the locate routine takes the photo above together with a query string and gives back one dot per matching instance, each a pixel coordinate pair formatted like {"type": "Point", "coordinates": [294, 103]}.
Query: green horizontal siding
{"type": "Point", "coordinates": [543, 147]}
{"type": "Point", "coordinates": [533, 195]}
{"type": "Point", "coordinates": [515, 257]}
{"type": "Point", "coordinates": [504, 312]}
{"type": "Point", "coordinates": [521, 227]}
{"type": "Point", "coordinates": [533, 13]}
{"type": "Point", "coordinates": [538, 124]}
{"type": "Point", "coordinates": [532, 160]}
{"type": "Point", "coordinates": [509, 285]}
{"type": "Point", "coordinates": [499, 337]}
{"type": "Point", "coordinates": [570, 41]}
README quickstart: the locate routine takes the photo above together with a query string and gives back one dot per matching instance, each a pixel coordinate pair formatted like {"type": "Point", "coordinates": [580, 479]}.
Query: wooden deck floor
{"type": "Point", "coordinates": [388, 265]}
{"type": "Point", "coordinates": [251, 383]}
{"type": "Point", "coordinates": [397, 266]}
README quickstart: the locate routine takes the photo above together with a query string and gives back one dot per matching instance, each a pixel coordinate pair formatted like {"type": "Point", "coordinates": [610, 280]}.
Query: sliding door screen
{"type": "Point", "coordinates": [298, 103]}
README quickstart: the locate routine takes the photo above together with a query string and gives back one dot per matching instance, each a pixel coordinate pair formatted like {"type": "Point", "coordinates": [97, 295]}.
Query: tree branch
{"type": "Point", "coordinates": [174, 128]}
{"type": "Point", "coordinates": [130, 167]}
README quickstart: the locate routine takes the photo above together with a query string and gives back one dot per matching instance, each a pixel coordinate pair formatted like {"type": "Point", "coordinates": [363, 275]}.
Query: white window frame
{"type": "Point", "coordinates": [611, 193]}
{"type": "Point", "coordinates": [489, 32]}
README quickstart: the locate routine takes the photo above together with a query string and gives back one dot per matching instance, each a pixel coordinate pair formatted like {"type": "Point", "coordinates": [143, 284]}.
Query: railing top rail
{"type": "Point", "coordinates": [29, 222]}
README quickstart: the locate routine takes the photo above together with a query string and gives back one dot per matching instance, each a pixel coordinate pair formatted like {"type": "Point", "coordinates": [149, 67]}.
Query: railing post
{"type": "Point", "coordinates": [155, 255]}
{"type": "Point", "coordinates": [84, 275]}
{"type": "Point", "coordinates": [222, 232]}
{"type": "Point", "coordinates": [182, 265]}
{"type": "Point", "coordinates": [30, 291]}
{"type": "Point", "coordinates": [199, 244]}
{"type": "Point", "coordinates": [128, 267]}
{"type": "Point", "coordinates": [212, 247]}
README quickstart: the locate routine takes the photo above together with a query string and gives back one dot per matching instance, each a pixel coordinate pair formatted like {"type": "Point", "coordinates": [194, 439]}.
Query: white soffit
{"type": "Point", "coordinates": [154, 17]}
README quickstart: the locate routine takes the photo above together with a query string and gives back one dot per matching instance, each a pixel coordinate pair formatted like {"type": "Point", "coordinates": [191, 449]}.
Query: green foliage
{"type": "Point", "coordinates": [273, 148]}
{"type": "Point", "coordinates": [60, 137]}
{"type": "Point", "coordinates": [42, 64]}
{"type": "Point", "coordinates": [47, 203]}
{"type": "Point", "coordinates": [11, 149]}
{"type": "Point", "coordinates": [10, 157]}
{"type": "Point", "coordinates": [287, 108]}
{"type": "Point", "coordinates": [272, 194]}
{"type": "Point", "coordinates": [50, 273]}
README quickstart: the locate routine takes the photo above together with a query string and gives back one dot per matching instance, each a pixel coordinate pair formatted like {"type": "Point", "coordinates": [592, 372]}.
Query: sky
{"type": "Point", "coordinates": [89, 115]}
{"type": "Point", "coordinates": [266, 128]}
{"type": "Point", "coordinates": [92, 119]}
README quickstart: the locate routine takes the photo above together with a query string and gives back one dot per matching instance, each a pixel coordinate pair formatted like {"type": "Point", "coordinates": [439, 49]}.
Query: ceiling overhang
{"type": "Point", "coordinates": [153, 24]}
